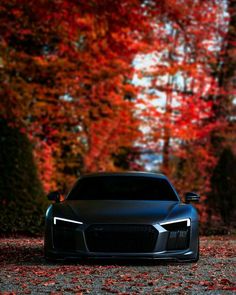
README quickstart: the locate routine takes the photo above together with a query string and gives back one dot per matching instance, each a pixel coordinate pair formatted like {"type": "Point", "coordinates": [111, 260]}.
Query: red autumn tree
{"type": "Point", "coordinates": [179, 115]}
{"type": "Point", "coordinates": [66, 69]}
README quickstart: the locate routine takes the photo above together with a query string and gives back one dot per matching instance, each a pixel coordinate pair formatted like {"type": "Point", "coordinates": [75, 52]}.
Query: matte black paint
{"type": "Point", "coordinates": [119, 212]}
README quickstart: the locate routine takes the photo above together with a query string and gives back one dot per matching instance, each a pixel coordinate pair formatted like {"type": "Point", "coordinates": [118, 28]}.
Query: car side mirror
{"type": "Point", "coordinates": [191, 197]}
{"type": "Point", "coordinates": [54, 196]}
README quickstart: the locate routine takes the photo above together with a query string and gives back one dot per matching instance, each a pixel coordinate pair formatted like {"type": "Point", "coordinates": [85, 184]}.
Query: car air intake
{"type": "Point", "coordinates": [121, 238]}
{"type": "Point", "coordinates": [65, 236]}
{"type": "Point", "coordinates": [179, 234]}
{"type": "Point", "coordinates": [64, 239]}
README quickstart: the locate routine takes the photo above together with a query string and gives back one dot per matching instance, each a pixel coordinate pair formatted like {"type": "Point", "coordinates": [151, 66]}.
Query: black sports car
{"type": "Point", "coordinates": [122, 215]}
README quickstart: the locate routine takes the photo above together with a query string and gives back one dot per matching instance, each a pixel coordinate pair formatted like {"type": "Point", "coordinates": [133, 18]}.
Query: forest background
{"type": "Point", "coordinates": [113, 86]}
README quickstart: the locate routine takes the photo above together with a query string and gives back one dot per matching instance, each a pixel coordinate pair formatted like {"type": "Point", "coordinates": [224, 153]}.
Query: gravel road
{"type": "Point", "coordinates": [23, 270]}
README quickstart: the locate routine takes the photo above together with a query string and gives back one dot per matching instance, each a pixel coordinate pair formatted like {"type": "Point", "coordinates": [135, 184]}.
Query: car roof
{"type": "Point", "coordinates": [127, 173]}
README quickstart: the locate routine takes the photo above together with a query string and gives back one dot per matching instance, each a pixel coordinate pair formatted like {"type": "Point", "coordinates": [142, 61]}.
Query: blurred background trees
{"type": "Point", "coordinates": [115, 85]}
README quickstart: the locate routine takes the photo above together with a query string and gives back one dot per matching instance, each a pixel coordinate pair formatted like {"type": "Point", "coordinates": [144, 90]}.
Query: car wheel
{"type": "Point", "coordinates": [197, 254]}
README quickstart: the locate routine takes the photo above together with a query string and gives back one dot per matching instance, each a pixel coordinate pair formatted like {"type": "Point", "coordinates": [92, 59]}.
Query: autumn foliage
{"type": "Point", "coordinates": [23, 270]}
{"type": "Point", "coordinates": [97, 84]}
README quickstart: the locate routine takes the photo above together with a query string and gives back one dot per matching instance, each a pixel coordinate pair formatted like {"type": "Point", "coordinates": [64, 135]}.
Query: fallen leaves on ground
{"type": "Point", "coordinates": [24, 271]}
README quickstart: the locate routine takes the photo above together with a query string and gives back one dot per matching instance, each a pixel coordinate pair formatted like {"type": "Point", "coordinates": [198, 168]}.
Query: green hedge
{"type": "Point", "coordinates": [223, 183]}
{"type": "Point", "coordinates": [22, 199]}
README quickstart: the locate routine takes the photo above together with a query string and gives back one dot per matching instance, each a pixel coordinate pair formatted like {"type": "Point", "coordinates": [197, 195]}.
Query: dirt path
{"type": "Point", "coordinates": [24, 271]}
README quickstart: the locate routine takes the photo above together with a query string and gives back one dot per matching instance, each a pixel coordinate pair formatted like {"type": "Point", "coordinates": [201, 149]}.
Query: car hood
{"type": "Point", "coordinates": [104, 211]}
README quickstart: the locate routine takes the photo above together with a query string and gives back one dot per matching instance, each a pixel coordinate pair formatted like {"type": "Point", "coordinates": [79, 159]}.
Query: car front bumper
{"type": "Point", "coordinates": [78, 247]}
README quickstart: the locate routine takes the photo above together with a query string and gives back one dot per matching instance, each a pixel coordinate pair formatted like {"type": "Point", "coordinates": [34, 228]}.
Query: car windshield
{"type": "Point", "coordinates": [122, 188]}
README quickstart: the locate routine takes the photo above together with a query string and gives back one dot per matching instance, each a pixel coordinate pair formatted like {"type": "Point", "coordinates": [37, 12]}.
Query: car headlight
{"type": "Point", "coordinates": [176, 224]}
{"type": "Point", "coordinates": [65, 233]}
{"type": "Point", "coordinates": [58, 221]}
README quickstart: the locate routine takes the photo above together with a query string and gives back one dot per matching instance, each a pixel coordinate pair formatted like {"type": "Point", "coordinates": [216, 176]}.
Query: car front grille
{"type": "Point", "coordinates": [124, 238]}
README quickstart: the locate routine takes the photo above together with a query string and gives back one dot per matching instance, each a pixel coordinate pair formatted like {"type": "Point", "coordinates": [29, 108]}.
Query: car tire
{"type": "Point", "coordinates": [198, 252]}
